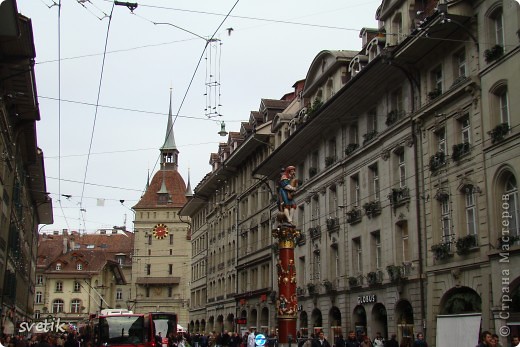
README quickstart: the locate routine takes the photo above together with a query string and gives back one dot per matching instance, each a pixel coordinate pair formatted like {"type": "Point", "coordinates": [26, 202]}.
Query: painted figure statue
{"type": "Point", "coordinates": [287, 186]}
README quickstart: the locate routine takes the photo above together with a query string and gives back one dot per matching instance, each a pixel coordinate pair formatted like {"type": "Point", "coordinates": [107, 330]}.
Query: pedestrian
{"type": "Point", "coordinates": [379, 341]}
{"type": "Point", "coordinates": [322, 341]}
{"type": "Point", "coordinates": [486, 339]}
{"type": "Point", "coordinates": [366, 341]}
{"type": "Point", "coordinates": [251, 338]}
{"type": "Point", "coordinates": [419, 342]}
{"type": "Point", "coordinates": [406, 341]}
{"type": "Point", "coordinates": [392, 342]}
{"type": "Point", "coordinates": [340, 341]}
{"type": "Point", "coordinates": [351, 340]}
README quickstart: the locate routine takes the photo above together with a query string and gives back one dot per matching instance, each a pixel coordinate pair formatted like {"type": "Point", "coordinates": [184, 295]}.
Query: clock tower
{"type": "Point", "coordinates": [161, 262]}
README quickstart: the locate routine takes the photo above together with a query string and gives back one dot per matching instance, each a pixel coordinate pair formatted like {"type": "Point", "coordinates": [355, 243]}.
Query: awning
{"type": "Point", "coordinates": [158, 280]}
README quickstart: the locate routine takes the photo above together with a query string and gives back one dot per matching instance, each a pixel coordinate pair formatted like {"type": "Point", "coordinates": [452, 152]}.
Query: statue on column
{"type": "Point", "coordinates": [287, 186]}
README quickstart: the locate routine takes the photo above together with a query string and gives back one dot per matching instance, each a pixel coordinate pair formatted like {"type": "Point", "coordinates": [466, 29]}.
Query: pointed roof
{"type": "Point", "coordinates": [169, 139]}
{"type": "Point", "coordinates": [189, 192]}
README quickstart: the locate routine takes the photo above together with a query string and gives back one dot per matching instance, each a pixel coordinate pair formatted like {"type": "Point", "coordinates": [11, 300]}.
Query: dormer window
{"type": "Point", "coordinates": [79, 266]}
{"type": "Point", "coordinates": [58, 266]}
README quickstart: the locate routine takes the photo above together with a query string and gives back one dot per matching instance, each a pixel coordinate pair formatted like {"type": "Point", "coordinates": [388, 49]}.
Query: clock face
{"type": "Point", "coordinates": [160, 231]}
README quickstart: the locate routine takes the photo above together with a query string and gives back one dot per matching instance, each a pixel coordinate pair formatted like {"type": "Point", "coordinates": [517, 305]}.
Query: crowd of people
{"type": "Point", "coordinates": [361, 340]}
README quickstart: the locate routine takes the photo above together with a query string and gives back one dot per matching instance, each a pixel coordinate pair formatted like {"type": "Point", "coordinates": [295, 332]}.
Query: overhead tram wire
{"type": "Point", "coordinates": [95, 113]}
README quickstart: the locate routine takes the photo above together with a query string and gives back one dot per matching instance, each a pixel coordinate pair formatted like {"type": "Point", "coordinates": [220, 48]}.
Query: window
{"type": "Point", "coordinates": [75, 306]}
{"type": "Point", "coordinates": [149, 239]}
{"type": "Point", "coordinates": [465, 129]}
{"type": "Point", "coordinates": [374, 177]}
{"type": "Point", "coordinates": [148, 269]}
{"type": "Point", "coordinates": [471, 223]}
{"type": "Point", "coordinates": [355, 189]}
{"type": "Point", "coordinates": [57, 306]}
{"type": "Point", "coordinates": [37, 314]}
{"type": "Point", "coordinates": [119, 294]}
{"type": "Point", "coordinates": [170, 292]}
{"type": "Point", "coordinates": [353, 134]}
{"type": "Point", "coordinates": [316, 266]}
{"type": "Point", "coordinates": [315, 211]}
{"type": "Point", "coordinates": [402, 168]}
{"type": "Point", "coordinates": [404, 241]}
{"type": "Point", "coordinates": [39, 279]}
{"type": "Point", "coordinates": [147, 292]}
{"type": "Point", "coordinates": [171, 239]}
{"type": "Point", "coordinates": [503, 105]}
{"type": "Point", "coordinates": [436, 77]}
{"type": "Point", "coordinates": [441, 140]}
{"type": "Point", "coordinates": [357, 252]}
{"type": "Point", "coordinates": [79, 266]}
{"type": "Point", "coordinates": [39, 298]}
{"type": "Point", "coordinates": [445, 221]}
{"type": "Point", "coordinates": [397, 100]}
{"type": "Point", "coordinates": [59, 286]}
{"type": "Point", "coordinates": [372, 120]}
{"type": "Point", "coordinates": [498, 27]}
{"type": "Point", "coordinates": [376, 236]}
{"type": "Point", "coordinates": [170, 269]}
{"type": "Point", "coordinates": [58, 266]}
{"type": "Point", "coordinates": [121, 260]}
{"type": "Point", "coordinates": [77, 286]}
{"type": "Point", "coordinates": [459, 60]}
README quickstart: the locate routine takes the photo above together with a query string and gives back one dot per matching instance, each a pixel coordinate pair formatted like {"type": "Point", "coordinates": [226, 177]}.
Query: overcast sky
{"type": "Point", "coordinates": [96, 157]}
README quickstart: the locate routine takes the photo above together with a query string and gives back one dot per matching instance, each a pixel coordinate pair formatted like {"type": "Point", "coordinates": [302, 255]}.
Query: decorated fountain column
{"type": "Point", "coordinates": [286, 233]}
{"type": "Point", "coordinates": [286, 303]}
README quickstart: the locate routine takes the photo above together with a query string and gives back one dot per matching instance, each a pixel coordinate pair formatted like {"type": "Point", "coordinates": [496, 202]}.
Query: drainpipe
{"type": "Point", "coordinates": [419, 201]}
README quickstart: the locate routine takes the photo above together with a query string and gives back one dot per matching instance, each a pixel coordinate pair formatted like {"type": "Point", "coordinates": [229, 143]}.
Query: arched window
{"type": "Point", "coordinates": [57, 306]}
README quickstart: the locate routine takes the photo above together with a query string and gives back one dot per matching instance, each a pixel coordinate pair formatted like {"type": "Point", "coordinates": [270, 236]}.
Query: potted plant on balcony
{"type": "Point", "coordinates": [329, 160]}
{"type": "Point", "coordinates": [372, 278]}
{"type": "Point", "coordinates": [392, 117]}
{"type": "Point", "coordinates": [465, 244]}
{"type": "Point", "coordinates": [437, 160]}
{"type": "Point", "coordinates": [434, 94]}
{"type": "Point", "coordinates": [398, 196]}
{"type": "Point", "coordinates": [311, 288]}
{"type": "Point", "coordinates": [442, 195]}
{"type": "Point", "coordinates": [329, 287]}
{"type": "Point", "coordinates": [313, 171]}
{"type": "Point", "coordinates": [504, 242]}
{"type": "Point", "coordinates": [493, 53]}
{"type": "Point", "coordinates": [372, 208]}
{"type": "Point", "coordinates": [354, 215]}
{"type": "Point", "coordinates": [394, 273]}
{"type": "Point", "coordinates": [499, 132]}
{"type": "Point", "coordinates": [353, 282]}
{"type": "Point", "coordinates": [316, 105]}
{"type": "Point", "coordinates": [369, 136]}
{"type": "Point", "coordinates": [332, 223]}
{"type": "Point", "coordinates": [351, 147]}
{"type": "Point", "coordinates": [441, 251]}
{"type": "Point", "coordinates": [460, 150]}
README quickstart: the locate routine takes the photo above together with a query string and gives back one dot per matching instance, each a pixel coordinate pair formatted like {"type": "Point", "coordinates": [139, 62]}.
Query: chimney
{"type": "Point", "coordinates": [65, 244]}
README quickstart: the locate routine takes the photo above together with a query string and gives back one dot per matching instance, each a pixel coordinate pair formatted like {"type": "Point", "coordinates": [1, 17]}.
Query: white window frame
{"type": "Point", "coordinates": [465, 129]}
{"type": "Point", "coordinates": [402, 168]}
{"type": "Point", "coordinates": [471, 210]}
{"type": "Point", "coordinates": [75, 306]}
{"type": "Point", "coordinates": [59, 287]}
{"type": "Point", "coordinates": [38, 298]}
{"type": "Point", "coordinates": [119, 294]}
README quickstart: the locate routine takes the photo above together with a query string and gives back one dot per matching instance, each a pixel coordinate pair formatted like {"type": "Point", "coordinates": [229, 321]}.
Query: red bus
{"type": "Point", "coordinates": [120, 328]}
{"type": "Point", "coordinates": [163, 324]}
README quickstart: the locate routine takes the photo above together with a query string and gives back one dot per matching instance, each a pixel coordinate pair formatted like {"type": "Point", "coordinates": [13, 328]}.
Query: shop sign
{"type": "Point", "coordinates": [366, 299]}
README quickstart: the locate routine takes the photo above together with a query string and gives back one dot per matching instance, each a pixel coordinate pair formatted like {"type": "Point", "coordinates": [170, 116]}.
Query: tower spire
{"type": "Point", "coordinates": [169, 152]}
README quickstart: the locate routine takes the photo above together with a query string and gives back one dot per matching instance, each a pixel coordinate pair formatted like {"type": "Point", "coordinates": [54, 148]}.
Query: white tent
{"type": "Point", "coordinates": [181, 329]}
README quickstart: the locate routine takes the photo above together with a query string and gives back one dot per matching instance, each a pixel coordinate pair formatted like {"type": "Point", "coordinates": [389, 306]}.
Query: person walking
{"type": "Point", "coordinates": [351, 340]}
{"type": "Point", "coordinates": [379, 341]}
{"type": "Point", "coordinates": [419, 342]}
{"type": "Point", "coordinates": [392, 342]}
{"type": "Point", "coordinates": [251, 339]}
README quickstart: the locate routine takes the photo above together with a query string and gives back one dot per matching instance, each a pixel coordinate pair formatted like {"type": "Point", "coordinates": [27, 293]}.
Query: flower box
{"type": "Point", "coordinates": [493, 53]}
{"type": "Point", "coordinates": [460, 150]}
{"type": "Point", "coordinates": [351, 147]}
{"type": "Point", "coordinates": [499, 132]}
{"type": "Point", "coordinates": [441, 251]}
{"type": "Point", "coordinates": [353, 282]}
{"type": "Point", "coordinates": [313, 171]}
{"type": "Point", "coordinates": [315, 232]}
{"type": "Point", "coordinates": [392, 117]}
{"type": "Point", "coordinates": [373, 278]}
{"type": "Point", "coordinates": [329, 161]}
{"type": "Point", "coordinates": [434, 94]}
{"type": "Point", "coordinates": [332, 223]}
{"type": "Point", "coordinates": [369, 136]}
{"type": "Point", "coordinates": [465, 244]}
{"type": "Point", "coordinates": [311, 288]}
{"type": "Point", "coordinates": [395, 273]}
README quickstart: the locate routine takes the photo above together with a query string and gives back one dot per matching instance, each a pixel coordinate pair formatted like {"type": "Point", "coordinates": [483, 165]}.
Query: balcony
{"type": "Point", "coordinates": [315, 232]}
{"type": "Point", "coordinates": [393, 116]}
{"type": "Point", "coordinates": [441, 251]}
{"type": "Point", "coordinates": [399, 196]}
{"type": "Point", "coordinates": [493, 53]}
{"type": "Point", "coordinates": [354, 216]}
{"type": "Point", "coordinates": [437, 161]}
{"type": "Point", "coordinates": [372, 208]}
{"type": "Point", "coordinates": [466, 244]}
{"type": "Point", "coordinates": [332, 224]}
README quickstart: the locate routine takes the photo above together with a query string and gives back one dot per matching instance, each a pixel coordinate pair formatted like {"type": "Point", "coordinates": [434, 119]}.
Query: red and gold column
{"type": "Point", "coordinates": [286, 303]}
